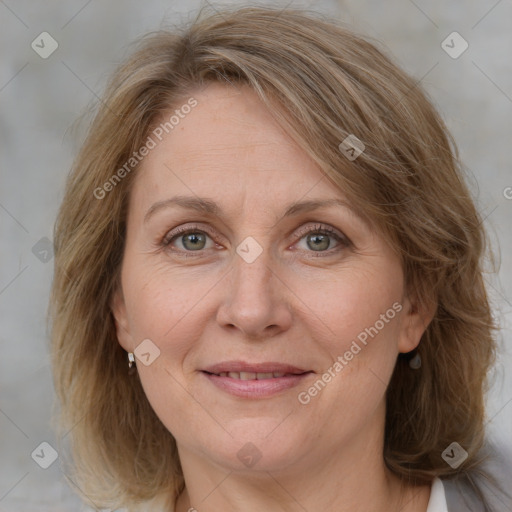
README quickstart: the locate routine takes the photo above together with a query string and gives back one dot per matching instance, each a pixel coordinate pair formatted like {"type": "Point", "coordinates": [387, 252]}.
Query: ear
{"type": "Point", "coordinates": [118, 308]}
{"type": "Point", "coordinates": [416, 316]}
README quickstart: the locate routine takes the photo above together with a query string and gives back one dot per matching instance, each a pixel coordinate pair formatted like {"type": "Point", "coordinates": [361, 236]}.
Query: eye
{"type": "Point", "coordinates": [318, 238]}
{"type": "Point", "coordinates": [189, 239]}
{"type": "Point", "coordinates": [322, 238]}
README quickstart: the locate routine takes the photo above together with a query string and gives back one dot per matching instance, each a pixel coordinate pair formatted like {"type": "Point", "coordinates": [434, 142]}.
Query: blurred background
{"type": "Point", "coordinates": [55, 59]}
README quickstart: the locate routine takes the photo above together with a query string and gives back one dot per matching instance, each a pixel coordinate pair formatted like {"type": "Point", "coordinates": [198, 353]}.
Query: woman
{"type": "Point", "coordinates": [268, 286]}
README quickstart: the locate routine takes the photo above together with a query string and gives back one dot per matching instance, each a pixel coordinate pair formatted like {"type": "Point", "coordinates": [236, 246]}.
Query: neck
{"type": "Point", "coordinates": [355, 480]}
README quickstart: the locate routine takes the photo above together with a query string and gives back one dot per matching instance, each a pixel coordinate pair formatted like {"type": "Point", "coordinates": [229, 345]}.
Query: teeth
{"type": "Point", "coordinates": [252, 375]}
{"type": "Point", "coordinates": [261, 376]}
{"type": "Point", "coordinates": [246, 376]}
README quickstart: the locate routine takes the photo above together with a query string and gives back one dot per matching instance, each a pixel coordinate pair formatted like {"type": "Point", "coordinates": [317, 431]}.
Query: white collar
{"type": "Point", "coordinates": [437, 501]}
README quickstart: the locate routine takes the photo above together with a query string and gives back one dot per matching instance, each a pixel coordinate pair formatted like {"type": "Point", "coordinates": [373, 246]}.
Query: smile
{"type": "Point", "coordinates": [254, 384]}
{"type": "Point", "coordinates": [252, 375]}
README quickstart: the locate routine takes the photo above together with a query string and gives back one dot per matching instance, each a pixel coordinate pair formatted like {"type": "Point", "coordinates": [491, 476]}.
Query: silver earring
{"type": "Point", "coordinates": [131, 359]}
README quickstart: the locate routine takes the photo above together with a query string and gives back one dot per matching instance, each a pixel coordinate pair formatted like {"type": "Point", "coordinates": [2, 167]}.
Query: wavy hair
{"type": "Point", "coordinates": [322, 83]}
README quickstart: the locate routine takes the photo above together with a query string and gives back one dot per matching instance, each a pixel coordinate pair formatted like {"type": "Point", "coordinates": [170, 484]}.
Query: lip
{"type": "Point", "coordinates": [255, 388]}
{"type": "Point", "coordinates": [242, 366]}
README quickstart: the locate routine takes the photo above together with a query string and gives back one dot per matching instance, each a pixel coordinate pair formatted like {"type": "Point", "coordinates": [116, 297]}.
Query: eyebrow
{"type": "Point", "coordinates": [208, 206]}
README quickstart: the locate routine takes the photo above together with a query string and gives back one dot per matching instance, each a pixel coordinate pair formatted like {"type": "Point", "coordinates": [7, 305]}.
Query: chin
{"type": "Point", "coordinates": [257, 444]}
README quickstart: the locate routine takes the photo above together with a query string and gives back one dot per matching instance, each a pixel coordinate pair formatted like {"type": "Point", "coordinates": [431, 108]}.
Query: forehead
{"type": "Point", "coordinates": [228, 144]}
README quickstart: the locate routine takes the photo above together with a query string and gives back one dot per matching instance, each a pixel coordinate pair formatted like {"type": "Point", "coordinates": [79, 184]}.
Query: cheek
{"type": "Point", "coordinates": [160, 298]}
{"type": "Point", "coordinates": [351, 303]}
{"type": "Point", "coordinates": [171, 308]}
{"type": "Point", "coordinates": [166, 309]}
{"type": "Point", "coordinates": [360, 312]}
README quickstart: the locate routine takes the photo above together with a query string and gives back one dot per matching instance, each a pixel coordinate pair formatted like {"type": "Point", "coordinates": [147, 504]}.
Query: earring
{"type": "Point", "coordinates": [131, 359]}
{"type": "Point", "coordinates": [415, 362]}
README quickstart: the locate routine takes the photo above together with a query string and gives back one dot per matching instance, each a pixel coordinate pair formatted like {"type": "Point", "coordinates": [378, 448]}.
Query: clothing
{"type": "Point", "coordinates": [437, 501]}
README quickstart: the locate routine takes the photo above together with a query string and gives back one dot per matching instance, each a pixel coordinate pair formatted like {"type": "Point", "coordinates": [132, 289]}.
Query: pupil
{"type": "Point", "coordinates": [194, 238]}
{"type": "Point", "coordinates": [319, 242]}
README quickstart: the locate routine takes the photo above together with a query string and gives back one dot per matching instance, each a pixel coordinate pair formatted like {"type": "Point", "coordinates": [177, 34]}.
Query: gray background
{"type": "Point", "coordinates": [41, 99]}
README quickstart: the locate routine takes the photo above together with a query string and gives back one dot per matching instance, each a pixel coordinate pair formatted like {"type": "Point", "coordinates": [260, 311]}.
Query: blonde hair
{"type": "Point", "coordinates": [323, 83]}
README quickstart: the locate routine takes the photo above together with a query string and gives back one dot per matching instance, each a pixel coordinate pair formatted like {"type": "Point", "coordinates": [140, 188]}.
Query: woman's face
{"type": "Point", "coordinates": [270, 325]}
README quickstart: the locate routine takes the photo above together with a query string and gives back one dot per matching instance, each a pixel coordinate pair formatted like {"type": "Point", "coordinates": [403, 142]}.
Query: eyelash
{"type": "Point", "coordinates": [322, 229]}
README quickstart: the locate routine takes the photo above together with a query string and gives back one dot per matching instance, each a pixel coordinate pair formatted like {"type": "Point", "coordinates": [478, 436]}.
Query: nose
{"type": "Point", "coordinates": [256, 300]}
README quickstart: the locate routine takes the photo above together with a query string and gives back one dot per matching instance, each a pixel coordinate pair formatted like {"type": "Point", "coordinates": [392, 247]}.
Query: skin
{"type": "Point", "coordinates": [293, 304]}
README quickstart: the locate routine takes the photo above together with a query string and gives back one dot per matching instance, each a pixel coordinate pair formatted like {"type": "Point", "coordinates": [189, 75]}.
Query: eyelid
{"type": "Point", "coordinates": [182, 230]}
{"type": "Point", "coordinates": [319, 226]}
{"type": "Point", "coordinates": [311, 227]}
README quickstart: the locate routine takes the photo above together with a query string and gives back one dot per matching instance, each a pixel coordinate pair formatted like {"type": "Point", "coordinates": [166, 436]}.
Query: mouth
{"type": "Point", "coordinates": [254, 380]}
{"type": "Point", "coordinates": [254, 375]}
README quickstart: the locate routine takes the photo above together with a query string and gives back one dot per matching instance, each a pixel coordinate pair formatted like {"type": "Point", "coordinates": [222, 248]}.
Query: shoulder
{"type": "Point", "coordinates": [484, 489]}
